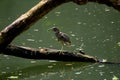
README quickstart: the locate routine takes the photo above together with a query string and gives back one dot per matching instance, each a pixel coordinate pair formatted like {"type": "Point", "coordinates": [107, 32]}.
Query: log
{"type": "Point", "coordinates": [48, 54]}
{"type": "Point", "coordinates": [52, 54]}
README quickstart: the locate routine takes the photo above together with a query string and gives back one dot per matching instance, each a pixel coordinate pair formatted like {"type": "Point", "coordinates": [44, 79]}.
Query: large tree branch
{"type": "Point", "coordinates": [49, 54]}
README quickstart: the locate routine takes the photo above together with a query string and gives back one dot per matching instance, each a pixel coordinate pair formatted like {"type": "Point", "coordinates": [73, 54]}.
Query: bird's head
{"type": "Point", "coordinates": [56, 30]}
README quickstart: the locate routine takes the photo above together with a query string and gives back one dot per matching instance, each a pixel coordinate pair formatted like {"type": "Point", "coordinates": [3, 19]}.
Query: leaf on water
{"type": "Point", "coordinates": [115, 78]}
{"type": "Point", "coordinates": [32, 61]}
{"type": "Point", "coordinates": [118, 43]}
{"type": "Point", "coordinates": [78, 72]}
{"type": "Point", "coordinates": [104, 60]}
{"type": "Point", "coordinates": [101, 66]}
{"type": "Point", "coordinates": [13, 77]}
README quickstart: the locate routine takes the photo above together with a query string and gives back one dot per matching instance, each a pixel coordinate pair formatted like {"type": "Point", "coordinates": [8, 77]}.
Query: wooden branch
{"type": "Point", "coordinates": [51, 54]}
{"type": "Point", "coordinates": [48, 54]}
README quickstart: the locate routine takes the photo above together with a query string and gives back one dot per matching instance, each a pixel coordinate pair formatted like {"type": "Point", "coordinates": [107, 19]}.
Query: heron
{"type": "Point", "coordinates": [62, 37]}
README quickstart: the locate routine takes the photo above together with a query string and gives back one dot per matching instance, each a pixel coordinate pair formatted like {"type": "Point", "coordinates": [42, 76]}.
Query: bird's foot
{"type": "Point", "coordinates": [61, 52]}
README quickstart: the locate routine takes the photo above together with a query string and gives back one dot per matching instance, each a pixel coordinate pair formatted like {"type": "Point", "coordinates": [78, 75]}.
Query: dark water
{"type": "Point", "coordinates": [93, 28]}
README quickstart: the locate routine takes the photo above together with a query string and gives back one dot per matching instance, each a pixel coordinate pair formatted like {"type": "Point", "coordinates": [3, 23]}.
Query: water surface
{"type": "Point", "coordinates": [93, 28]}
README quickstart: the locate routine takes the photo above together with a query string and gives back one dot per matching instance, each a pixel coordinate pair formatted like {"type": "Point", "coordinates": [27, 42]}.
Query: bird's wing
{"type": "Point", "coordinates": [65, 37]}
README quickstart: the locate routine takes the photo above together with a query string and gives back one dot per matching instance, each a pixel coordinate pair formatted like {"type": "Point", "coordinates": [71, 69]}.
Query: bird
{"type": "Point", "coordinates": [61, 37]}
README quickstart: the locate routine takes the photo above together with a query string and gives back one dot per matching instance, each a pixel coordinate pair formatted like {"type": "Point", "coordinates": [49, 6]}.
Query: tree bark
{"type": "Point", "coordinates": [24, 22]}
{"type": "Point", "coordinates": [47, 54]}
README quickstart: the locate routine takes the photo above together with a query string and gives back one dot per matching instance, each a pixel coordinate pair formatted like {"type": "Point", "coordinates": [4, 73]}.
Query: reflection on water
{"type": "Point", "coordinates": [64, 71]}
{"type": "Point", "coordinates": [93, 28]}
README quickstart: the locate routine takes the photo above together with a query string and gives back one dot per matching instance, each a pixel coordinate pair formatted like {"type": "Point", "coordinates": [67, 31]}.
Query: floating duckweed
{"type": "Point", "coordinates": [30, 40]}
{"type": "Point", "coordinates": [107, 9]}
{"type": "Point", "coordinates": [118, 43]}
{"type": "Point", "coordinates": [36, 30]}
{"type": "Point", "coordinates": [101, 66]}
{"type": "Point", "coordinates": [32, 61]}
{"type": "Point", "coordinates": [73, 35]}
{"type": "Point", "coordinates": [115, 78]}
{"type": "Point", "coordinates": [13, 77]}
{"type": "Point", "coordinates": [78, 72]}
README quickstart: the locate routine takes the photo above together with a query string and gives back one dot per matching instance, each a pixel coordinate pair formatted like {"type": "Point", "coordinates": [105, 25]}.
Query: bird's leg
{"type": "Point", "coordinates": [61, 50]}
